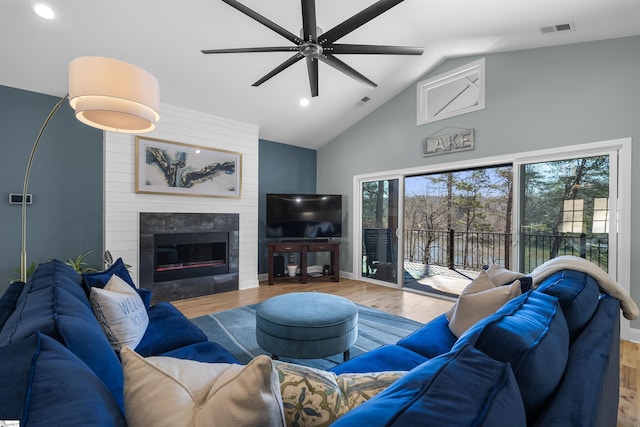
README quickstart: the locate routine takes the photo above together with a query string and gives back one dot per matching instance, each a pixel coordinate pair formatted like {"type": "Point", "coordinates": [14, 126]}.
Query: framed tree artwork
{"type": "Point", "coordinates": [166, 167]}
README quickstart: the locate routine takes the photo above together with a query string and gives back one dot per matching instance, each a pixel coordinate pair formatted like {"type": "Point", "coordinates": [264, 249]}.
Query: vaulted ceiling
{"type": "Point", "coordinates": [166, 38]}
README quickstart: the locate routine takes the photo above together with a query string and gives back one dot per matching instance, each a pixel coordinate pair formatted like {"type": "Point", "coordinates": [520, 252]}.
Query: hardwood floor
{"type": "Point", "coordinates": [411, 305]}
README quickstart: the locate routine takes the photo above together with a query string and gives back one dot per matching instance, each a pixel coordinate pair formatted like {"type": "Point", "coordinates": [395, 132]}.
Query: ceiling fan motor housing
{"type": "Point", "coordinates": [313, 50]}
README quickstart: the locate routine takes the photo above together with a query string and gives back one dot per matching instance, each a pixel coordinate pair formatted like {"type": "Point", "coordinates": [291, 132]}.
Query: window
{"type": "Point", "coordinates": [572, 213]}
{"type": "Point", "coordinates": [450, 94]}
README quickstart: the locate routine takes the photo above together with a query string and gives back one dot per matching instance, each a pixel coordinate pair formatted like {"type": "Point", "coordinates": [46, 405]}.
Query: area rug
{"type": "Point", "coordinates": [235, 330]}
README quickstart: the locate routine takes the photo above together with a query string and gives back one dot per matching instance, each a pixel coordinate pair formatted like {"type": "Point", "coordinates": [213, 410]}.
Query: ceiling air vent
{"type": "Point", "coordinates": [556, 28]}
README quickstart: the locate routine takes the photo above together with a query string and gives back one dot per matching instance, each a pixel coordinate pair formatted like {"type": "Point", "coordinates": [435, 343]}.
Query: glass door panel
{"type": "Point", "coordinates": [380, 221]}
{"type": "Point", "coordinates": [565, 211]}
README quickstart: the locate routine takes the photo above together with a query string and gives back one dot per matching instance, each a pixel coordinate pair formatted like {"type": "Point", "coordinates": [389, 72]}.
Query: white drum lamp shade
{"type": "Point", "coordinates": [113, 95]}
{"type": "Point", "coordinates": [107, 94]}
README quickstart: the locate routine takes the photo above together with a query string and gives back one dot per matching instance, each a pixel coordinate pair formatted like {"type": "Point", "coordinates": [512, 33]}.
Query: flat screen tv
{"type": "Point", "coordinates": [304, 216]}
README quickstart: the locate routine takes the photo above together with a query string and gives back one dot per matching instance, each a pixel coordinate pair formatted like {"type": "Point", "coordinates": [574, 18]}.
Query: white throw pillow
{"type": "Point", "coordinates": [120, 312]}
{"type": "Point", "coordinates": [165, 391]}
{"type": "Point", "coordinates": [478, 300]}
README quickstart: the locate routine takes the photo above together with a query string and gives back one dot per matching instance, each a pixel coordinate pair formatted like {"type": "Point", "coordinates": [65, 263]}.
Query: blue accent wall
{"type": "Point", "coordinates": [66, 181]}
{"type": "Point", "coordinates": [282, 169]}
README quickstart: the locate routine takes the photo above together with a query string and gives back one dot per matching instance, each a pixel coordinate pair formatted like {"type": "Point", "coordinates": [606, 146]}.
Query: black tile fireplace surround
{"type": "Point", "coordinates": [185, 255]}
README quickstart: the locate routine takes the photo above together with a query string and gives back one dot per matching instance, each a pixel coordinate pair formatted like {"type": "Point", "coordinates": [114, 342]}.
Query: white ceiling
{"type": "Point", "coordinates": [165, 37]}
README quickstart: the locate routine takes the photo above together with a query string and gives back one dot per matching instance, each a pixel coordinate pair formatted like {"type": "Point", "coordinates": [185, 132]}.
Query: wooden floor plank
{"type": "Point", "coordinates": [411, 305]}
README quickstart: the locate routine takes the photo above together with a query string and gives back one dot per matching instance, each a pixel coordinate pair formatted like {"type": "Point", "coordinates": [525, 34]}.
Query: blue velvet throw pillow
{"type": "Point", "coordinates": [100, 279]}
{"type": "Point", "coordinates": [461, 388]}
{"type": "Point", "coordinates": [530, 333]}
{"type": "Point", "coordinates": [168, 330]}
{"type": "Point", "coordinates": [43, 383]}
{"type": "Point", "coordinates": [431, 340]}
{"type": "Point", "coordinates": [578, 294]}
{"type": "Point", "coordinates": [385, 358]}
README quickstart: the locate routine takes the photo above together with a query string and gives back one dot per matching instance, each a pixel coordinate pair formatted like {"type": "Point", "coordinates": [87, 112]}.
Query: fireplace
{"type": "Point", "coordinates": [185, 255]}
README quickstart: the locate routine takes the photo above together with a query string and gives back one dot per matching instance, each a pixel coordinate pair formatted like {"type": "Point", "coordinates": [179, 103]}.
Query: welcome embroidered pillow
{"type": "Point", "coordinates": [120, 312]}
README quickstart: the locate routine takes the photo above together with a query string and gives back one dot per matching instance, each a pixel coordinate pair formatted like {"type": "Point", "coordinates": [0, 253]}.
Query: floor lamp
{"type": "Point", "coordinates": [107, 94]}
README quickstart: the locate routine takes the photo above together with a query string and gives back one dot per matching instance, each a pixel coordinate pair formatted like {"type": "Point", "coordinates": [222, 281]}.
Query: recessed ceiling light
{"type": "Point", "coordinates": [43, 11]}
{"type": "Point", "coordinates": [304, 102]}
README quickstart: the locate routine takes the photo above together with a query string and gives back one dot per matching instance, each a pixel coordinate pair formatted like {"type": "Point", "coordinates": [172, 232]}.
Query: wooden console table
{"type": "Point", "coordinates": [303, 248]}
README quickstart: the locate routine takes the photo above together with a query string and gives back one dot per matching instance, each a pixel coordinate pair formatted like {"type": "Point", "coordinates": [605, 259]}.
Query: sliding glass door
{"type": "Point", "coordinates": [565, 210]}
{"type": "Point", "coordinates": [572, 200]}
{"type": "Point", "coordinates": [379, 258]}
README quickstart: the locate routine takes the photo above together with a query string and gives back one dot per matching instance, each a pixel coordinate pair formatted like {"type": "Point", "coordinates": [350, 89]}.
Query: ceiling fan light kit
{"type": "Point", "coordinates": [314, 47]}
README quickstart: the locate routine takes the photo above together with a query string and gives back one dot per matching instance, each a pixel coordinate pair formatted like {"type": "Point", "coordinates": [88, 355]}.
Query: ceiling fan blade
{"type": "Point", "coordinates": [309, 21]}
{"type": "Point", "coordinates": [252, 49]}
{"type": "Point", "coordinates": [357, 21]}
{"type": "Point", "coordinates": [341, 66]}
{"type": "Point", "coordinates": [312, 68]}
{"type": "Point", "coordinates": [286, 64]}
{"type": "Point", "coordinates": [373, 49]}
{"type": "Point", "coordinates": [264, 21]}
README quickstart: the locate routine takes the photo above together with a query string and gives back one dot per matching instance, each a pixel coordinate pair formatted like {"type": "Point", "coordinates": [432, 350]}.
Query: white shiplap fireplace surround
{"type": "Point", "coordinates": [122, 205]}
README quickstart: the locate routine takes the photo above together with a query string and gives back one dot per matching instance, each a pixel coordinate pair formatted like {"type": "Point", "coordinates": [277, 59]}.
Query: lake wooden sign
{"type": "Point", "coordinates": [461, 140]}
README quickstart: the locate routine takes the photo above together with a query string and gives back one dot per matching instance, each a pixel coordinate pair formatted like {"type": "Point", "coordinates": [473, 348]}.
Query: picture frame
{"type": "Point", "coordinates": [167, 167]}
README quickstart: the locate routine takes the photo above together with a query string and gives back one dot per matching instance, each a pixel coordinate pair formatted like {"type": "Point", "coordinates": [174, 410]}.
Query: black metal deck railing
{"type": "Point", "coordinates": [473, 250]}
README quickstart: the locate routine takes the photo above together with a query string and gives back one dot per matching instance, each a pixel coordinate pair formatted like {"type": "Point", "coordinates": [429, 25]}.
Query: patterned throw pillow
{"type": "Point", "coordinates": [313, 397]}
{"type": "Point", "coordinates": [358, 388]}
{"type": "Point", "coordinates": [120, 312]}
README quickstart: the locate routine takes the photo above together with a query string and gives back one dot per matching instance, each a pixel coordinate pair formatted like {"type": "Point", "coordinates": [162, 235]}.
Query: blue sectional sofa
{"type": "Point", "coordinates": [549, 357]}
{"type": "Point", "coordinates": [56, 359]}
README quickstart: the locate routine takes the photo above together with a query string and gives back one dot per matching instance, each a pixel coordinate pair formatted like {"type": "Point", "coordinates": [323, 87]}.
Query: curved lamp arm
{"type": "Point", "coordinates": [25, 186]}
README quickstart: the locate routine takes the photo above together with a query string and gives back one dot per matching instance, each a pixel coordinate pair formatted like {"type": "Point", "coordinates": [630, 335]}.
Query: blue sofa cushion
{"type": "Point", "coordinates": [9, 300]}
{"type": "Point", "coordinates": [65, 276]}
{"type": "Point", "coordinates": [44, 383]}
{"type": "Point", "coordinates": [578, 294]}
{"type": "Point", "coordinates": [461, 388]}
{"type": "Point", "coordinates": [531, 334]}
{"type": "Point", "coordinates": [385, 358]}
{"type": "Point", "coordinates": [431, 340]}
{"type": "Point", "coordinates": [207, 351]}
{"type": "Point", "coordinates": [589, 392]}
{"type": "Point", "coordinates": [168, 330]}
{"type": "Point", "coordinates": [51, 304]}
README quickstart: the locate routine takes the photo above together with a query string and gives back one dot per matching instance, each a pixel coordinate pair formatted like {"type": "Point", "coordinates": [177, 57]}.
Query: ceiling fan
{"type": "Point", "coordinates": [316, 47]}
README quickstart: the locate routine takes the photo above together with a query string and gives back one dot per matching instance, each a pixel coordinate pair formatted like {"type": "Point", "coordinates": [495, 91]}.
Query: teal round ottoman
{"type": "Point", "coordinates": [307, 325]}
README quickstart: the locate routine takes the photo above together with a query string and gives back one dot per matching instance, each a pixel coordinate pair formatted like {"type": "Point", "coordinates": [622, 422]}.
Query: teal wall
{"type": "Point", "coordinates": [535, 99]}
{"type": "Point", "coordinates": [281, 169]}
{"type": "Point", "coordinates": [65, 219]}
